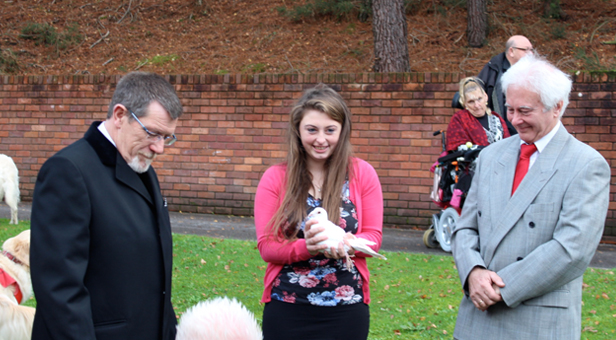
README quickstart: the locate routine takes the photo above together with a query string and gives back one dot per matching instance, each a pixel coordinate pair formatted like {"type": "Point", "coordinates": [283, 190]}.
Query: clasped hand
{"type": "Point", "coordinates": [484, 288]}
{"type": "Point", "coordinates": [313, 238]}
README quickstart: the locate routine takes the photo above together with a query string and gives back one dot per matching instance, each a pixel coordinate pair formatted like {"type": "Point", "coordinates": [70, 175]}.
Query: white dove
{"type": "Point", "coordinates": [335, 235]}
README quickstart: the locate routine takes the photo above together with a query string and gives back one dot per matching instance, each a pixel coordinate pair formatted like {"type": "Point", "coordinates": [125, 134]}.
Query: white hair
{"type": "Point", "coordinates": [218, 319]}
{"type": "Point", "coordinates": [537, 75]}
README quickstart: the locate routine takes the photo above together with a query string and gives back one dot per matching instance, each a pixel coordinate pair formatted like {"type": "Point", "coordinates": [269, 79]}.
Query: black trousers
{"type": "Point", "coordinates": [288, 321]}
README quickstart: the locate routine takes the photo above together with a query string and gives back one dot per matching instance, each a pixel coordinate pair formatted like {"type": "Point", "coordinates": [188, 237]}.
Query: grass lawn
{"type": "Point", "coordinates": [414, 296]}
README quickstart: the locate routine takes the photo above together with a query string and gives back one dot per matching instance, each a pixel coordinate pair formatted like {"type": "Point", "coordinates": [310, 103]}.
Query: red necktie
{"type": "Point", "coordinates": [522, 168]}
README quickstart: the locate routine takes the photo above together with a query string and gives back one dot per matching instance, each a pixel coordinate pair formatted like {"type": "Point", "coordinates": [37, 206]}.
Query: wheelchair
{"type": "Point", "coordinates": [453, 173]}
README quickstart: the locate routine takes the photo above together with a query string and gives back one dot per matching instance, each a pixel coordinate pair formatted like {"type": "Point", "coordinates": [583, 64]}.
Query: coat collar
{"type": "Point", "coordinates": [532, 184]}
{"type": "Point", "coordinates": [110, 156]}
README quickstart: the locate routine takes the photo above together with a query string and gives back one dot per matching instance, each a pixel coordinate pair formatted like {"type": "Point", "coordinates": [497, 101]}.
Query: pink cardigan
{"type": "Point", "coordinates": [365, 193]}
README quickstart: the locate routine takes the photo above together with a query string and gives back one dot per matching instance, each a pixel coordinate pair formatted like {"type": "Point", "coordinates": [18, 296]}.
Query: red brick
{"type": "Point", "coordinates": [233, 129]}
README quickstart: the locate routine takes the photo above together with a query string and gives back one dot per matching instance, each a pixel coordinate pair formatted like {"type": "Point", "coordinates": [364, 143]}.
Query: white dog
{"type": "Point", "coordinates": [15, 288]}
{"type": "Point", "coordinates": [218, 319]}
{"type": "Point", "coordinates": [9, 185]}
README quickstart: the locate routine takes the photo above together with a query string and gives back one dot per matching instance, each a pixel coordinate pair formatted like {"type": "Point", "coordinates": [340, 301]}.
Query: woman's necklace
{"type": "Point", "coordinates": [317, 183]}
{"type": "Point", "coordinates": [317, 190]}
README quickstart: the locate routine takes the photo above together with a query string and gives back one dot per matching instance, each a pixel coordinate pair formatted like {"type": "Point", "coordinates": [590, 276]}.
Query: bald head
{"type": "Point", "coordinates": [517, 47]}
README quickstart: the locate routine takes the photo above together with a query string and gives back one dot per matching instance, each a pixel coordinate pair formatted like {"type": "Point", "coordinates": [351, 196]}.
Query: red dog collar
{"type": "Point", "coordinates": [12, 257]}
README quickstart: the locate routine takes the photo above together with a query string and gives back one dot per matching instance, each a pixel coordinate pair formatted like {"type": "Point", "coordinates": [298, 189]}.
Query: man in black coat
{"type": "Point", "coordinates": [101, 247]}
{"type": "Point", "coordinates": [516, 47]}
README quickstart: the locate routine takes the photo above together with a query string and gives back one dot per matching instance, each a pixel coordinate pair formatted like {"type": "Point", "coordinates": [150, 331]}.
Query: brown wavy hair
{"type": "Point", "coordinates": [298, 179]}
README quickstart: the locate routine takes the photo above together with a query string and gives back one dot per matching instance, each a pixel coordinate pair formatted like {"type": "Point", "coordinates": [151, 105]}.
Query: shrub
{"type": "Point", "coordinates": [339, 9]}
{"type": "Point", "coordinates": [8, 61]}
{"type": "Point", "coordinates": [40, 33]}
{"type": "Point", "coordinates": [48, 35]}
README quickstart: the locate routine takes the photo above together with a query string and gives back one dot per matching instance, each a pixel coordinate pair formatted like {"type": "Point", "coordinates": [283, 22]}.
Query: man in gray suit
{"type": "Point", "coordinates": [521, 267]}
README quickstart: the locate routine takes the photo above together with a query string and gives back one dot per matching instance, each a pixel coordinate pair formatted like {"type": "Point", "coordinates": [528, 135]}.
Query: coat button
{"type": "Point", "coordinates": [531, 224]}
{"type": "Point", "coordinates": [479, 213]}
{"type": "Point", "coordinates": [519, 258]}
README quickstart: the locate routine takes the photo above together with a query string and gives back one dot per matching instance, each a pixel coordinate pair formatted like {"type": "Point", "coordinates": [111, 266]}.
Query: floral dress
{"type": "Point", "coordinates": [322, 281]}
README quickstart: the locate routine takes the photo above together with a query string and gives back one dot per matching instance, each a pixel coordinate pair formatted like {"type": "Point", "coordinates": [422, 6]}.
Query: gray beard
{"type": "Point", "coordinates": [137, 167]}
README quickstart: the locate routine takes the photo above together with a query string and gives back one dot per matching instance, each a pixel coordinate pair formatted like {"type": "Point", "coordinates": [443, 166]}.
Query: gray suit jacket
{"type": "Point", "coordinates": [540, 243]}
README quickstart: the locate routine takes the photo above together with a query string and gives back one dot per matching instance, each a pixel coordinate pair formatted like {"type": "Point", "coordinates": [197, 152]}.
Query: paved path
{"type": "Point", "coordinates": [236, 227]}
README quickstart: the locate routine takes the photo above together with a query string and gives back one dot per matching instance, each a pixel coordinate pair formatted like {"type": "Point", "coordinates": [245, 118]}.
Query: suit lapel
{"type": "Point", "coordinates": [110, 156]}
{"type": "Point", "coordinates": [502, 178]}
{"type": "Point", "coordinates": [532, 184]}
{"type": "Point", "coordinates": [130, 178]}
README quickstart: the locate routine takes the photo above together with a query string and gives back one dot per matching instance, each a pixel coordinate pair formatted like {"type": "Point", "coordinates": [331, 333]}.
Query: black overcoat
{"type": "Point", "coordinates": [101, 252]}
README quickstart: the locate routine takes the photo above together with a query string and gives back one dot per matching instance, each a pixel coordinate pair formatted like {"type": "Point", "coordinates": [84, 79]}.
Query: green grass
{"type": "Point", "coordinates": [414, 296]}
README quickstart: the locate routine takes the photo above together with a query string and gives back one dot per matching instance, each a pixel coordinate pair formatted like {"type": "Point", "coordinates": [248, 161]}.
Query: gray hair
{"type": "Point", "coordinates": [536, 74]}
{"type": "Point", "coordinates": [509, 44]}
{"type": "Point", "coordinates": [137, 90]}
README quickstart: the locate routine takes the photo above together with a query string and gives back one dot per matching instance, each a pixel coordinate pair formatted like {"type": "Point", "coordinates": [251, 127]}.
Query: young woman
{"type": "Point", "coordinates": [309, 291]}
{"type": "Point", "coordinates": [476, 123]}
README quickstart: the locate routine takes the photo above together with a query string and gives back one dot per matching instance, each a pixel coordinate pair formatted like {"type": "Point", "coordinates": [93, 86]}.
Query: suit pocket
{"type": "Point", "coordinates": [557, 298]}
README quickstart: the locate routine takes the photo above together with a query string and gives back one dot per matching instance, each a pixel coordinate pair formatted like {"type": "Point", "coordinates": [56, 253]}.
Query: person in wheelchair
{"type": "Point", "coordinates": [476, 123]}
{"type": "Point", "coordinates": [471, 129]}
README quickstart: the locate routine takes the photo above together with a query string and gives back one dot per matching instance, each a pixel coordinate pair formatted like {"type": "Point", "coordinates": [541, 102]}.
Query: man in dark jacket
{"type": "Point", "coordinates": [517, 47]}
{"type": "Point", "coordinates": [101, 248]}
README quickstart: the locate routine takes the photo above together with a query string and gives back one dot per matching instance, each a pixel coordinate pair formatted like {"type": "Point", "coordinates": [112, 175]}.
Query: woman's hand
{"type": "Point", "coordinates": [348, 236]}
{"type": "Point", "coordinates": [312, 238]}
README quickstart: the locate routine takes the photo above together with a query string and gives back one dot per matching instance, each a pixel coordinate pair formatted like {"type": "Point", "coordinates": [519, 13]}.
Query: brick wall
{"type": "Point", "coordinates": [234, 126]}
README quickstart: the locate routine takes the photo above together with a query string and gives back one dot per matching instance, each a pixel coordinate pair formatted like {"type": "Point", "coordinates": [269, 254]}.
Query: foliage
{"type": "Point", "coordinates": [70, 37]}
{"type": "Point", "coordinates": [552, 9]}
{"type": "Point", "coordinates": [414, 296]}
{"type": "Point", "coordinates": [442, 7]}
{"type": "Point", "coordinates": [346, 9]}
{"type": "Point", "coordinates": [593, 64]}
{"type": "Point", "coordinates": [254, 68]}
{"type": "Point", "coordinates": [558, 31]}
{"type": "Point", "coordinates": [48, 35]}
{"type": "Point", "coordinates": [8, 61]}
{"type": "Point", "coordinates": [339, 9]}
{"type": "Point", "coordinates": [159, 60]}
{"type": "Point", "coordinates": [40, 33]}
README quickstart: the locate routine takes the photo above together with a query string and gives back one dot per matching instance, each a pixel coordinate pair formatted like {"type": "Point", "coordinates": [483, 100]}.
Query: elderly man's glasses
{"type": "Point", "coordinates": [526, 50]}
{"type": "Point", "coordinates": [155, 137]}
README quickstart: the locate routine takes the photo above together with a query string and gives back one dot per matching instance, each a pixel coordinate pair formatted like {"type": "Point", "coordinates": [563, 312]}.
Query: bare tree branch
{"type": "Point", "coordinates": [101, 39]}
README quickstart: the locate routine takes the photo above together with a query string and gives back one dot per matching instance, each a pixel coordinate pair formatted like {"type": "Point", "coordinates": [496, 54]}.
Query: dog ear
{"type": "Point", "coordinates": [20, 245]}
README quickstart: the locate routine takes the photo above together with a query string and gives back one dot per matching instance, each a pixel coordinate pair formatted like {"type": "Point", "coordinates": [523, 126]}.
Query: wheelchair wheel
{"type": "Point", "coordinates": [429, 240]}
{"type": "Point", "coordinates": [445, 228]}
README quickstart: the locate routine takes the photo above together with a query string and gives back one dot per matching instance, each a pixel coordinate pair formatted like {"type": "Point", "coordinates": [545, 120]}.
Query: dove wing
{"type": "Point", "coordinates": [334, 234]}
{"type": "Point", "coordinates": [363, 245]}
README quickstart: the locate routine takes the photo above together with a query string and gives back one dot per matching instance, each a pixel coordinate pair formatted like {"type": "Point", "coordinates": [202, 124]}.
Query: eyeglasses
{"type": "Point", "coordinates": [155, 137]}
{"type": "Point", "coordinates": [526, 50]}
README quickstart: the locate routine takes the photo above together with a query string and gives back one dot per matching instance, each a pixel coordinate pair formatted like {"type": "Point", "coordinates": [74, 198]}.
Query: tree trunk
{"type": "Point", "coordinates": [477, 26]}
{"type": "Point", "coordinates": [391, 51]}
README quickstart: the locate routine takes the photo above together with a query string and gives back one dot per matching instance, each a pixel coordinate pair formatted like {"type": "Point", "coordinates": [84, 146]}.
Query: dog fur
{"type": "Point", "coordinates": [9, 185]}
{"type": "Point", "coordinates": [218, 319]}
{"type": "Point", "coordinates": [16, 320]}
